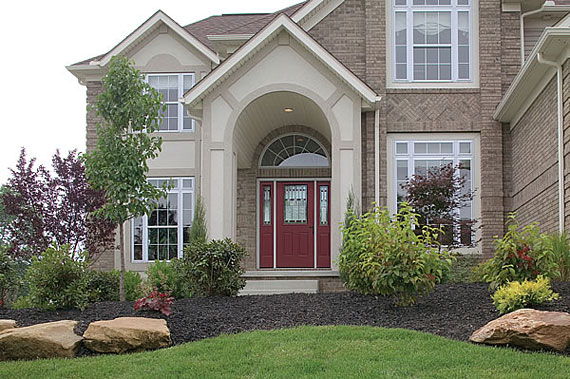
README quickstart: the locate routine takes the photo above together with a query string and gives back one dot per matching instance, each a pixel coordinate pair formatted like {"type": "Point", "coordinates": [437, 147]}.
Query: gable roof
{"type": "Point", "coordinates": [282, 22]}
{"type": "Point", "coordinates": [142, 31]}
{"type": "Point", "coordinates": [235, 24]}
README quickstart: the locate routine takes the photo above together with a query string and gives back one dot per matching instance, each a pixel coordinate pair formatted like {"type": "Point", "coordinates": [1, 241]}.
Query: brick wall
{"type": "Point", "coordinates": [106, 261]}
{"type": "Point", "coordinates": [534, 162]}
{"type": "Point", "coordinates": [343, 33]}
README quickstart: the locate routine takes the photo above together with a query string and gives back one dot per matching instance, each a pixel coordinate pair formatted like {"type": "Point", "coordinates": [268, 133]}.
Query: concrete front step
{"type": "Point", "coordinates": [279, 286]}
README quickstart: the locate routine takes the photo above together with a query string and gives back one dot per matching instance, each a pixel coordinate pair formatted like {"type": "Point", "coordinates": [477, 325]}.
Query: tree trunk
{"type": "Point", "coordinates": [122, 249]}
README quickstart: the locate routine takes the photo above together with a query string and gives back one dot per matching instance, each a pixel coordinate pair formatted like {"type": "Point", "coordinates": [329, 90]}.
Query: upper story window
{"type": "Point", "coordinates": [432, 41]}
{"type": "Point", "coordinates": [172, 87]}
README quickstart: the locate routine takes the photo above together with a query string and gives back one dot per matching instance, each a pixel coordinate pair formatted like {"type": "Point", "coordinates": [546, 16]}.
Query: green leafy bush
{"type": "Point", "coordinates": [102, 286]}
{"type": "Point", "coordinates": [386, 256]}
{"type": "Point", "coordinates": [57, 281]}
{"type": "Point", "coordinates": [133, 285]}
{"type": "Point", "coordinates": [517, 295]}
{"type": "Point", "coordinates": [521, 254]}
{"type": "Point", "coordinates": [10, 279]}
{"type": "Point", "coordinates": [213, 268]}
{"type": "Point", "coordinates": [560, 247]}
{"type": "Point", "coordinates": [164, 277]}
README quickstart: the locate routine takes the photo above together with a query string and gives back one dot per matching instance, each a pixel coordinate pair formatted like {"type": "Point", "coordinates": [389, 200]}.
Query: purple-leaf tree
{"type": "Point", "coordinates": [437, 197]}
{"type": "Point", "coordinates": [54, 207]}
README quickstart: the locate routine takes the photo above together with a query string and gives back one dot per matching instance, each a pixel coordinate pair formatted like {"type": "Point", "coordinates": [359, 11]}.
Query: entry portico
{"type": "Point", "coordinates": [280, 88]}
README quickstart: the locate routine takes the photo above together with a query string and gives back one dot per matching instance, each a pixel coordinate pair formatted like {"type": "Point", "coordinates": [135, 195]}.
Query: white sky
{"type": "Point", "coordinates": [41, 104]}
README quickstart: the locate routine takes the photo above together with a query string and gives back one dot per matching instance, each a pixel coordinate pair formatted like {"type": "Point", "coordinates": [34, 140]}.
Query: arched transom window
{"type": "Point", "coordinates": [294, 150]}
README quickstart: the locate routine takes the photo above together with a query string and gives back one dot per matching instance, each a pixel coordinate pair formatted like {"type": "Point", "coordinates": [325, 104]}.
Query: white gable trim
{"type": "Point", "coordinates": [554, 44]}
{"type": "Point", "coordinates": [314, 12]}
{"type": "Point", "coordinates": [140, 32]}
{"type": "Point", "coordinates": [194, 96]}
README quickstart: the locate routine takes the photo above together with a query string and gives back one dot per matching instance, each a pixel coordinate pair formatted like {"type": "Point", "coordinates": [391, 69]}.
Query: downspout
{"type": "Point", "coordinates": [377, 150]}
{"type": "Point", "coordinates": [558, 67]}
{"type": "Point", "coordinates": [530, 13]}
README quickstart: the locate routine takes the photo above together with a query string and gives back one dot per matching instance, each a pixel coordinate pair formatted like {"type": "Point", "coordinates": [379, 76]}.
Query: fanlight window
{"type": "Point", "coordinates": [294, 150]}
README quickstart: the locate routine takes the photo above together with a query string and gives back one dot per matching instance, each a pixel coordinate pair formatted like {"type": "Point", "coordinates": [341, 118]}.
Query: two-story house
{"type": "Point", "coordinates": [274, 118]}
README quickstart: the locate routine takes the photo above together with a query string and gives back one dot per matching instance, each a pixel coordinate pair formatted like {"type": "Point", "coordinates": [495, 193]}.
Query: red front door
{"type": "Point", "coordinates": [295, 225]}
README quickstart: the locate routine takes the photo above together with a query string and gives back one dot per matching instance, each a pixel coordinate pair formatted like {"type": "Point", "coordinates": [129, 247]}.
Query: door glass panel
{"type": "Point", "coordinates": [324, 205]}
{"type": "Point", "coordinates": [266, 205]}
{"type": "Point", "coordinates": [295, 204]}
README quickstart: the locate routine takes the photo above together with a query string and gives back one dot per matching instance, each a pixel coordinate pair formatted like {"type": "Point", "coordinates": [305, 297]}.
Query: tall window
{"type": "Point", "coordinates": [416, 157]}
{"type": "Point", "coordinates": [164, 234]}
{"type": "Point", "coordinates": [172, 87]}
{"type": "Point", "coordinates": [432, 40]}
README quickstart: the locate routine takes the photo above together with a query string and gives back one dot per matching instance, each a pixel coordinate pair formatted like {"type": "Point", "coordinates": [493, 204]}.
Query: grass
{"type": "Point", "coordinates": [316, 352]}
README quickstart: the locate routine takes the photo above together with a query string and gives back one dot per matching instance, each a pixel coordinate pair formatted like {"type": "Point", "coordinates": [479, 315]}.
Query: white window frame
{"type": "Point", "coordinates": [145, 238]}
{"type": "Point", "coordinates": [456, 156]}
{"type": "Point", "coordinates": [409, 82]}
{"type": "Point", "coordinates": [181, 111]}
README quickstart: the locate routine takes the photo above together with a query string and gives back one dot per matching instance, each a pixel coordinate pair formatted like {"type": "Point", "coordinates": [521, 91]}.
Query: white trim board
{"type": "Point", "coordinates": [250, 48]}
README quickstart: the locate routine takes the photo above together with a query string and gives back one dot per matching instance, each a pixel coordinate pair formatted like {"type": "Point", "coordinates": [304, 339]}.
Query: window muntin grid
{"type": "Point", "coordinates": [164, 233]}
{"type": "Point", "coordinates": [295, 207]}
{"type": "Point", "coordinates": [172, 87]}
{"type": "Point", "coordinates": [432, 40]}
{"type": "Point", "coordinates": [294, 150]}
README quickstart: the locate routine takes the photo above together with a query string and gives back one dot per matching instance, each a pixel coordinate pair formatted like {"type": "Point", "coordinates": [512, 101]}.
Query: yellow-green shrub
{"type": "Point", "coordinates": [517, 295]}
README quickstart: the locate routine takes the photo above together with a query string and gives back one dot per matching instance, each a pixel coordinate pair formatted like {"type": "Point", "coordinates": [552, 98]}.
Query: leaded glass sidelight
{"type": "Point", "coordinates": [295, 204]}
{"type": "Point", "coordinates": [266, 205]}
{"type": "Point", "coordinates": [324, 205]}
{"type": "Point", "coordinates": [294, 150]}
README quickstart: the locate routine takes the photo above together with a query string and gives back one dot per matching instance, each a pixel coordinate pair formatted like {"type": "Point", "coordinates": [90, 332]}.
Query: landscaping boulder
{"type": "Point", "coordinates": [7, 324]}
{"type": "Point", "coordinates": [50, 340]}
{"type": "Point", "coordinates": [527, 328]}
{"type": "Point", "coordinates": [127, 334]}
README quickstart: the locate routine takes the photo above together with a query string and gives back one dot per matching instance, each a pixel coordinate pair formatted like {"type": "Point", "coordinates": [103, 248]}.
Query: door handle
{"type": "Point", "coordinates": [312, 229]}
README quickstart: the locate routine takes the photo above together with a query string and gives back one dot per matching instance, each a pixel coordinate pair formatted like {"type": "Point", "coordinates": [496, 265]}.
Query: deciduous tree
{"type": "Point", "coordinates": [131, 112]}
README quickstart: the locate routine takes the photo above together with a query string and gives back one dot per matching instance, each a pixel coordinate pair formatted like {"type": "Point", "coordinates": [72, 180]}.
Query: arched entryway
{"type": "Point", "coordinates": [282, 142]}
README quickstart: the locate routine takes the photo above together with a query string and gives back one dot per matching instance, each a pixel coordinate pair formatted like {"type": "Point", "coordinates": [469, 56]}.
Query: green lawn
{"type": "Point", "coordinates": [325, 352]}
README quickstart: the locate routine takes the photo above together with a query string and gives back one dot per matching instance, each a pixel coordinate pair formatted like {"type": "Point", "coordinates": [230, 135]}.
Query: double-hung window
{"type": "Point", "coordinates": [418, 157]}
{"type": "Point", "coordinates": [432, 40]}
{"type": "Point", "coordinates": [172, 87]}
{"type": "Point", "coordinates": [164, 233]}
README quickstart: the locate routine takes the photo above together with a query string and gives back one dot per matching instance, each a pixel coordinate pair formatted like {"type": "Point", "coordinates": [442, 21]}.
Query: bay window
{"type": "Point", "coordinates": [432, 40]}
{"type": "Point", "coordinates": [172, 87]}
{"type": "Point", "coordinates": [164, 233]}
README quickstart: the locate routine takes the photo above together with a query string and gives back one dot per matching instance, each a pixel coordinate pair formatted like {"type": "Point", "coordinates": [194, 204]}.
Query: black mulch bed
{"type": "Point", "coordinates": [452, 310]}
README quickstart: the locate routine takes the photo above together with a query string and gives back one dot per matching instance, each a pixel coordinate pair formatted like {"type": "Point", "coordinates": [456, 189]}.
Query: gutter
{"type": "Point", "coordinates": [561, 205]}
{"type": "Point", "coordinates": [548, 6]}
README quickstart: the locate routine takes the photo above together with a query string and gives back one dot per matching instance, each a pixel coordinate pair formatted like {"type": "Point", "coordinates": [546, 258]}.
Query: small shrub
{"type": "Point", "coordinates": [517, 295]}
{"type": "Point", "coordinates": [159, 302]}
{"type": "Point", "coordinates": [560, 247]}
{"type": "Point", "coordinates": [521, 254]}
{"type": "Point", "coordinates": [164, 277]}
{"type": "Point", "coordinates": [102, 286]}
{"type": "Point", "coordinates": [386, 256]}
{"type": "Point", "coordinates": [57, 281]}
{"type": "Point", "coordinates": [213, 268]}
{"type": "Point", "coordinates": [133, 285]}
{"type": "Point", "coordinates": [10, 279]}
{"type": "Point", "coordinates": [198, 230]}
{"type": "Point", "coordinates": [462, 269]}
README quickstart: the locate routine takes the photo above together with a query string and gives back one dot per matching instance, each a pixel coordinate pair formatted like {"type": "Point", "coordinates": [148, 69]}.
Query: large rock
{"type": "Point", "coordinates": [527, 328]}
{"type": "Point", "coordinates": [7, 324]}
{"type": "Point", "coordinates": [49, 340]}
{"type": "Point", "coordinates": [127, 334]}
